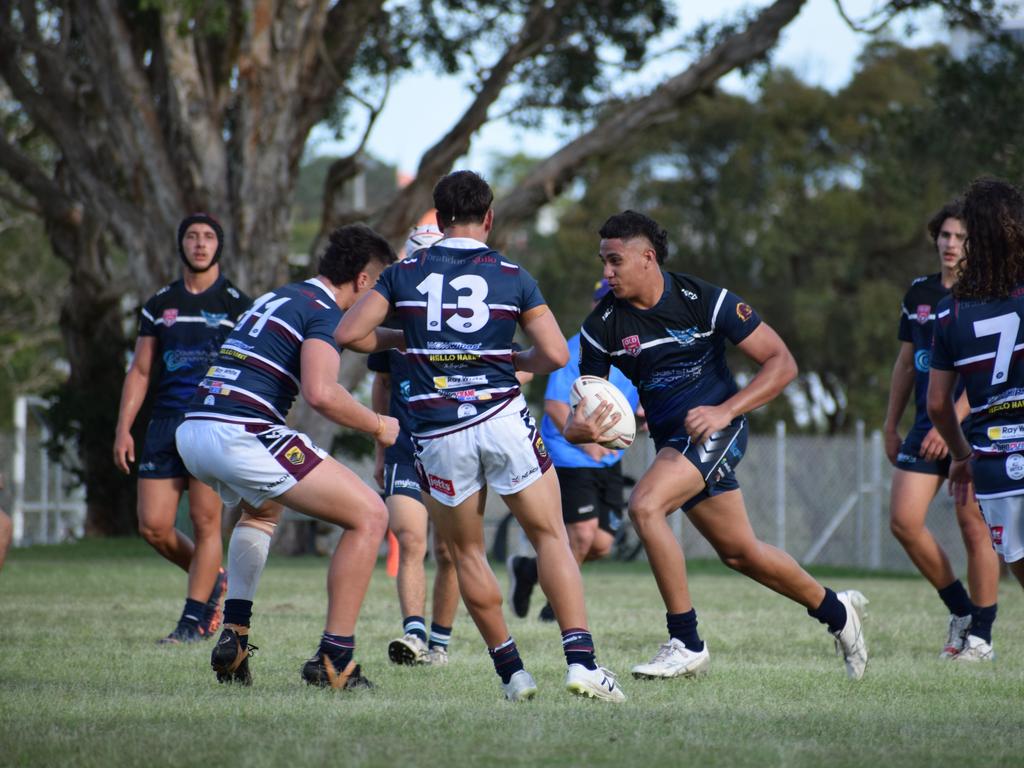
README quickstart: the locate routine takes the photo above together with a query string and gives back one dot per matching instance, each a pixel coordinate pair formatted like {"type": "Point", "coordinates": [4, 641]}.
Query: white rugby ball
{"type": "Point", "coordinates": [596, 391]}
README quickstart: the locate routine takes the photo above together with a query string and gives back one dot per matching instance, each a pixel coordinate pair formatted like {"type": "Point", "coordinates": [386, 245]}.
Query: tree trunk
{"type": "Point", "coordinates": [93, 331]}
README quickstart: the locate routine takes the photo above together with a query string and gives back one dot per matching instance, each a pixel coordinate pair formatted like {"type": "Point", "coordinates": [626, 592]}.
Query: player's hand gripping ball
{"type": "Point", "coordinates": [596, 391]}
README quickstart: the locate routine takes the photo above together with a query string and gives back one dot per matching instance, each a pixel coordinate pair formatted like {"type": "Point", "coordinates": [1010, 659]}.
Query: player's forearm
{"type": "Point", "coordinates": [900, 388]}
{"type": "Point", "coordinates": [943, 414]}
{"type": "Point", "coordinates": [537, 360]}
{"type": "Point", "coordinates": [377, 340]}
{"type": "Point", "coordinates": [133, 393]}
{"type": "Point", "coordinates": [337, 404]}
{"type": "Point", "coordinates": [380, 393]}
{"type": "Point", "coordinates": [775, 374]}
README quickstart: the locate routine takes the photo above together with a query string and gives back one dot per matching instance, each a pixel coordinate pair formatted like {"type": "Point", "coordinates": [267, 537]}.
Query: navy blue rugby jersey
{"type": "Point", "coordinates": [917, 324]}
{"type": "Point", "coordinates": [189, 329]}
{"type": "Point", "coordinates": [255, 379]}
{"type": "Point", "coordinates": [459, 303]}
{"type": "Point", "coordinates": [983, 341]}
{"type": "Point", "coordinates": [674, 352]}
{"type": "Point", "coordinates": [393, 363]}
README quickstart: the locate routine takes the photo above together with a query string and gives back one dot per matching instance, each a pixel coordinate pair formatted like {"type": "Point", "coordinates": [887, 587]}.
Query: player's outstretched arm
{"type": "Point", "coordinates": [359, 331]}
{"type": "Point", "coordinates": [550, 350]}
{"type": "Point", "coordinates": [320, 388]}
{"type": "Point", "coordinates": [901, 385]}
{"type": "Point", "coordinates": [133, 392]}
{"type": "Point", "coordinates": [766, 348]}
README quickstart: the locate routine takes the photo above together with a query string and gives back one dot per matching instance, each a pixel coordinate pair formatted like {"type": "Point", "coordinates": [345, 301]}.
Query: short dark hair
{"type": "Point", "coordinates": [350, 249]}
{"type": "Point", "coordinates": [462, 197]}
{"type": "Point", "coordinates": [951, 210]}
{"type": "Point", "coordinates": [630, 224]}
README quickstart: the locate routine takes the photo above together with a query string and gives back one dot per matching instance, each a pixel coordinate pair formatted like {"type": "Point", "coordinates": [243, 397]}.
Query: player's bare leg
{"type": "Point", "coordinates": [444, 603]}
{"type": "Point", "coordinates": [581, 539]}
{"type": "Point", "coordinates": [910, 496]}
{"type": "Point", "coordinates": [982, 560]}
{"type": "Point", "coordinates": [334, 493]}
{"type": "Point", "coordinates": [157, 509]}
{"type": "Point", "coordinates": [537, 509]}
{"type": "Point", "coordinates": [723, 521]}
{"type": "Point", "coordinates": [6, 533]}
{"type": "Point", "coordinates": [407, 519]}
{"type": "Point", "coordinates": [668, 484]}
{"type": "Point", "coordinates": [204, 507]}
{"type": "Point", "coordinates": [462, 531]}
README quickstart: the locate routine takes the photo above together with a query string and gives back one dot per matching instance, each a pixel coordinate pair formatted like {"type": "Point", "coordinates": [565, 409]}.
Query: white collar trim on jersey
{"type": "Point", "coordinates": [462, 243]}
{"type": "Point", "coordinates": [319, 284]}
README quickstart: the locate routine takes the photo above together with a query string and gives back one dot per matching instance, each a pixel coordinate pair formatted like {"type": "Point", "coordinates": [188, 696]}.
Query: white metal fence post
{"type": "Point", "coordinates": [875, 550]}
{"type": "Point", "coordinates": [859, 526]}
{"type": "Point", "coordinates": [780, 484]}
{"type": "Point", "coordinates": [18, 470]}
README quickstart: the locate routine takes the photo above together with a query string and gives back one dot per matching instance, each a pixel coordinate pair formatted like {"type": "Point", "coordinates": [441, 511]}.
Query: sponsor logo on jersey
{"type": "Point", "coordinates": [604, 315]}
{"type": "Point", "coordinates": [632, 345]}
{"type": "Point", "coordinates": [295, 455]}
{"type": "Point", "coordinates": [539, 447]}
{"type": "Point", "coordinates": [466, 410]}
{"type": "Point", "coordinates": [176, 359]}
{"type": "Point", "coordinates": [997, 534]}
{"type": "Point", "coordinates": [924, 312]}
{"type": "Point", "coordinates": [453, 382]}
{"type": "Point", "coordinates": [453, 345]}
{"type": "Point", "coordinates": [405, 389]}
{"type": "Point", "coordinates": [1006, 432]}
{"type": "Point", "coordinates": [236, 344]}
{"type": "Point", "coordinates": [209, 400]}
{"type": "Point", "coordinates": [442, 485]}
{"type": "Point", "coordinates": [517, 479]}
{"type": "Point", "coordinates": [169, 316]}
{"type": "Point", "coordinates": [484, 260]}
{"type": "Point", "coordinates": [234, 294]}
{"type": "Point", "coordinates": [685, 337]}
{"type": "Point", "coordinates": [923, 360]}
{"type": "Point", "coordinates": [469, 394]}
{"type": "Point", "coordinates": [688, 294]}
{"type": "Point", "coordinates": [223, 373]}
{"type": "Point", "coordinates": [744, 311]}
{"type": "Point", "coordinates": [213, 319]}
{"type": "Point", "coordinates": [1015, 466]}
{"type": "Point", "coordinates": [460, 357]}
{"type": "Point", "coordinates": [218, 388]}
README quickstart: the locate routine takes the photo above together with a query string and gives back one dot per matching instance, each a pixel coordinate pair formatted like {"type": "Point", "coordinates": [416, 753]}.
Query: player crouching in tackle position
{"type": "Point", "coordinates": [234, 437]}
{"type": "Point", "coordinates": [978, 336]}
{"type": "Point", "coordinates": [459, 303]}
{"type": "Point", "coordinates": [666, 331]}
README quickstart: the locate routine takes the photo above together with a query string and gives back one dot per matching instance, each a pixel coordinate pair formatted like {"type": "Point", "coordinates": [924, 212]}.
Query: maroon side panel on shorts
{"type": "Point", "coordinates": [297, 458]}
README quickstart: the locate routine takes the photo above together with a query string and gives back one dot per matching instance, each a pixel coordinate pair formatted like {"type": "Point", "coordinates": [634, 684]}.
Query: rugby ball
{"type": "Point", "coordinates": [596, 391]}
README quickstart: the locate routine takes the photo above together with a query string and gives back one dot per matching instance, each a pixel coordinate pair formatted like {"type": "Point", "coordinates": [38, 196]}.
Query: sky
{"type": "Point", "coordinates": [818, 46]}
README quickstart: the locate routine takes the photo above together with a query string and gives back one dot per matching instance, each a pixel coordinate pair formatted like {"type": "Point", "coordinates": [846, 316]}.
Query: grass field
{"type": "Point", "coordinates": [82, 682]}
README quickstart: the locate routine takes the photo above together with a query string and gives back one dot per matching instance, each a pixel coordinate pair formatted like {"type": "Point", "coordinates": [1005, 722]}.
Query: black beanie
{"type": "Point", "coordinates": [200, 218]}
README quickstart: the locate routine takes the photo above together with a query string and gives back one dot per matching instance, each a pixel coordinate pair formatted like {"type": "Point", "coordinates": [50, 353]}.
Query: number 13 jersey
{"type": "Point", "coordinates": [983, 341]}
{"type": "Point", "coordinates": [459, 303]}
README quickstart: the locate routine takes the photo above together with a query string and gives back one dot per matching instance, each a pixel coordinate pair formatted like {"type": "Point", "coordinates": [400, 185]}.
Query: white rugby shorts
{"type": "Point", "coordinates": [1006, 526]}
{"type": "Point", "coordinates": [246, 461]}
{"type": "Point", "coordinates": [505, 451]}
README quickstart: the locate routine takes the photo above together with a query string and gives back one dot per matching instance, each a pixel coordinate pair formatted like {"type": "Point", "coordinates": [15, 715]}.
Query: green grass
{"type": "Point", "coordinates": [82, 682]}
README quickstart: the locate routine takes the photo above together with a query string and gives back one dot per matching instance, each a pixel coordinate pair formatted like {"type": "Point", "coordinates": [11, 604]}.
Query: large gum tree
{"type": "Point", "coordinates": [148, 109]}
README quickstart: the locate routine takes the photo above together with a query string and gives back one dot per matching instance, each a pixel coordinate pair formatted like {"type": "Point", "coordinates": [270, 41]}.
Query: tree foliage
{"type": "Point", "coordinates": [149, 109]}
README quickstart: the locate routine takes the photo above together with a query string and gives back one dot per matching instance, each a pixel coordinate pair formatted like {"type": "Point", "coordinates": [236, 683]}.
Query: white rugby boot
{"type": "Point", "coordinates": [976, 649]}
{"type": "Point", "coordinates": [438, 656]}
{"type": "Point", "coordinates": [409, 649]}
{"type": "Point", "coordinates": [520, 687]}
{"type": "Point", "coordinates": [593, 683]}
{"type": "Point", "coordinates": [850, 640]}
{"type": "Point", "coordinates": [959, 626]}
{"type": "Point", "coordinates": [674, 659]}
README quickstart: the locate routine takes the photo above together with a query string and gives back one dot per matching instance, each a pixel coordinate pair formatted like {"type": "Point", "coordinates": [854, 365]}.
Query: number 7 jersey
{"type": "Point", "coordinates": [459, 303]}
{"type": "Point", "coordinates": [983, 341]}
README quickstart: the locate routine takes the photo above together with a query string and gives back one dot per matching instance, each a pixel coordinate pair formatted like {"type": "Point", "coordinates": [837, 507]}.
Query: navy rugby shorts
{"type": "Point", "coordinates": [716, 460]}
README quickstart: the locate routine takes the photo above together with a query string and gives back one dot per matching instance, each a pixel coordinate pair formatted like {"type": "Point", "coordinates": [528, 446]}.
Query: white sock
{"type": "Point", "coordinates": [247, 555]}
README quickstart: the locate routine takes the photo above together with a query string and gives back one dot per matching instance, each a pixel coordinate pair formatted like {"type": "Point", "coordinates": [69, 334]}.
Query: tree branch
{"type": "Point", "coordinates": [626, 122]}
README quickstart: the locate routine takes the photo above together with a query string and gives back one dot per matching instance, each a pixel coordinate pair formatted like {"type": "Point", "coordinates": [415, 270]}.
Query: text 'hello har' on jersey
{"type": "Point", "coordinates": [917, 324]}
{"type": "Point", "coordinates": [189, 329]}
{"type": "Point", "coordinates": [459, 303]}
{"type": "Point", "coordinates": [256, 377]}
{"type": "Point", "coordinates": [393, 363]}
{"type": "Point", "coordinates": [674, 352]}
{"type": "Point", "coordinates": [984, 342]}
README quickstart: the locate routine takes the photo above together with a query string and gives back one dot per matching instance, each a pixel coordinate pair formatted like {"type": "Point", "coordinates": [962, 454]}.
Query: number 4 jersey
{"type": "Point", "coordinates": [255, 378]}
{"type": "Point", "coordinates": [983, 342]}
{"type": "Point", "coordinates": [459, 303]}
